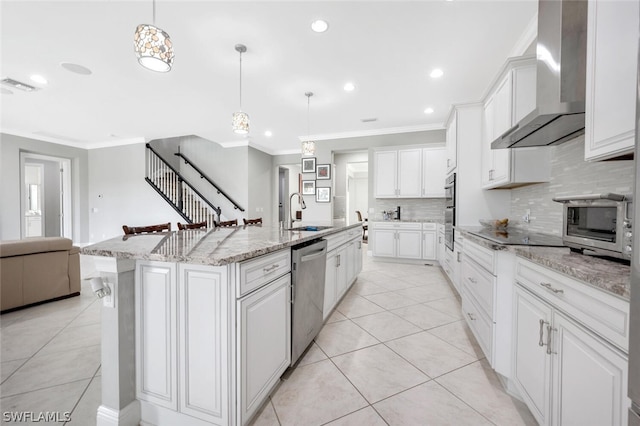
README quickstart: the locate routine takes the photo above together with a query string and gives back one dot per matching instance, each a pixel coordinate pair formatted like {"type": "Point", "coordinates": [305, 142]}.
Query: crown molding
{"type": "Point", "coordinates": [373, 132]}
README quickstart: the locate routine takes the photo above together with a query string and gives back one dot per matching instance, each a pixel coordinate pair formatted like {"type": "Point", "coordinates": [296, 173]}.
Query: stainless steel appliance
{"type": "Point", "coordinates": [561, 78]}
{"type": "Point", "coordinates": [308, 263]}
{"type": "Point", "coordinates": [449, 210]}
{"type": "Point", "coordinates": [634, 327]}
{"type": "Point", "coordinates": [598, 224]}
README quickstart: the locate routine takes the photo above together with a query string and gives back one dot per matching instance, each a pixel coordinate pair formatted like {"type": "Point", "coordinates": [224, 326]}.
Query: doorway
{"type": "Point", "coordinates": [45, 205]}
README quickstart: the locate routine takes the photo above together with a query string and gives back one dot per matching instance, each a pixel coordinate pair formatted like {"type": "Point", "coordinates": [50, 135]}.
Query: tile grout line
{"type": "Point", "coordinates": [83, 394]}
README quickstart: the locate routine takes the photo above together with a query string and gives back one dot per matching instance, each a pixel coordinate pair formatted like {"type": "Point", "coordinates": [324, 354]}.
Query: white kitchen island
{"type": "Point", "coordinates": [197, 329]}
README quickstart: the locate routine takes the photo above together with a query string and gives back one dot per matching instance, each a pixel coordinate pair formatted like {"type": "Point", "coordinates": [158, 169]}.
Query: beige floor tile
{"type": "Point", "coordinates": [391, 300]}
{"type": "Point", "coordinates": [59, 400]}
{"type": "Point", "coordinates": [424, 316]}
{"type": "Point", "coordinates": [266, 416]}
{"type": "Point", "coordinates": [91, 315]}
{"type": "Point", "coordinates": [357, 306]}
{"type": "Point", "coordinates": [449, 305]}
{"type": "Point", "coordinates": [424, 293]}
{"type": "Point", "coordinates": [341, 337]}
{"type": "Point", "coordinates": [21, 341]}
{"type": "Point", "coordinates": [335, 317]}
{"type": "Point", "coordinates": [386, 326]}
{"type": "Point", "coordinates": [315, 394]}
{"type": "Point", "coordinates": [430, 354]}
{"type": "Point", "coordinates": [313, 354]}
{"type": "Point", "coordinates": [7, 368]}
{"type": "Point", "coordinates": [394, 284]}
{"type": "Point", "coordinates": [378, 372]}
{"type": "Point", "coordinates": [85, 412]}
{"type": "Point", "coordinates": [365, 417]}
{"type": "Point", "coordinates": [459, 335]}
{"type": "Point", "coordinates": [43, 371]}
{"type": "Point", "coordinates": [74, 338]}
{"type": "Point", "coordinates": [478, 385]}
{"type": "Point", "coordinates": [365, 288]}
{"type": "Point", "coordinates": [428, 404]}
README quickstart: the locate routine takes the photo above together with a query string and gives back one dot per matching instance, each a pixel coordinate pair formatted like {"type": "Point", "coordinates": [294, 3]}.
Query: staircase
{"type": "Point", "coordinates": [180, 194]}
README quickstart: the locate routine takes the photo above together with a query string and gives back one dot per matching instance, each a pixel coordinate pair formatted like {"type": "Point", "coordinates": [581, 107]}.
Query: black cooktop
{"type": "Point", "coordinates": [515, 236]}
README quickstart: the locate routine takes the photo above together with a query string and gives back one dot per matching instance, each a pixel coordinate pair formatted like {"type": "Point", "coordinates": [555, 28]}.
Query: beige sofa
{"type": "Point", "coordinates": [35, 270]}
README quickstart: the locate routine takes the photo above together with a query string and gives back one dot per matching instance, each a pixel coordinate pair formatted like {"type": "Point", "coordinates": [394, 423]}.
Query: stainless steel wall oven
{"type": "Point", "coordinates": [449, 210]}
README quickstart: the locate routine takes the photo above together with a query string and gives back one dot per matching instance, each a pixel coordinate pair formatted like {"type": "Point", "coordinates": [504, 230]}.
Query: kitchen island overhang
{"type": "Point", "coordinates": [174, 330]}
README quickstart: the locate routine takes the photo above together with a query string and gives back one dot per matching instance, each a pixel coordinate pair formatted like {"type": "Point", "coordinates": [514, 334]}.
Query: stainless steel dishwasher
{"type": "Point", "coordinates": [307, 294]}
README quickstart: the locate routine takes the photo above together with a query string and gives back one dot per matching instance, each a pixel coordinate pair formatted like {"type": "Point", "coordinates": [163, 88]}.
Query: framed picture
{"type": "Point", "coordinates": [308, 187]}
{"type": "Point", "coordinates": [323, 172]}
{"type": "Point", "coordinates": [309, 165]}
{"type": "Point", "coordinates": [323, 195]}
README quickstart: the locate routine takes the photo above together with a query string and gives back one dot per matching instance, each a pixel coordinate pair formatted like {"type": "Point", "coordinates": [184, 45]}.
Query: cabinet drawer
{"type": "Point", "coordinates": [429, 226]}
{"type": "Point", "coordinates": [480, 284]}
{"type": "Point", "coordinates": [335, 240]}
{"type": "Point", "coordinates": [397, 225]}
{"type": "Point", "coordinates": [481, 255]}
{"type": "Point", "coordinates": [603, 313]}
{"type": "Point", "coordinates": [481, 326]}
{"type": "Point", "coordinates": [256, 272]}
{"type": "Point", "coordinates": [353, 233]}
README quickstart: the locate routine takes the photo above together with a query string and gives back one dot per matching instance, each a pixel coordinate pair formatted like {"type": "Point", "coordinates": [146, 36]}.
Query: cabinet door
{"type": "Point", "coordinates": [612, 47]}
{"type": "Point", "coordinates": [359, 254]}
{"type": "Point", "coordinates": [434, 172]}
{"type": "Point", "coordinates": [441, 246]}
{"type": "Point", "coordinates": [203, 334]}
{"type": "Point", "coordinates": [502, 122]}
{"type": "Point", "coordinates": [264, 322]}
{"type": "Point", "coordinates": [384, 242]}
{"type": "Point", "coordinates": [341, 271]}
{"type": "Point", "coordinates": [524, 91]}
{"type": "Point", "coordinates": [350, 261]}
{"type": "Point", "coordinates": [385, 174]}
{"type": "Point", "coordinates": [488, 137]}
{"type": "Point", "coordinates": [410, 173]}
{"type": "Point", "coordinates": [590, 378]}
{"type": "Point", "coordinates": [156, 333]}
{"type": "Point", "coordinates": [330, 292]}
{"type": "Point", "coordinates": [429, 245]}
{"type": "Point", "coordinates": [531, 364]}
{"type": "Point", "coordinates": [409, 244]}
{"type": "Point", "coordinates": [452, 144]}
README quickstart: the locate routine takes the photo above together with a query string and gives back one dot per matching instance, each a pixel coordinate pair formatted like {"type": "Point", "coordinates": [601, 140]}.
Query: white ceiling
{"type": "Point", "coordinates": [387, 49]}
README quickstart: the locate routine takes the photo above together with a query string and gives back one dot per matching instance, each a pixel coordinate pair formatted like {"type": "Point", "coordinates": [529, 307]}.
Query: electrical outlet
{"type": "Point", "coordinates": [527, 216]}
{"type": "Point", "coordinates": [109, 301]}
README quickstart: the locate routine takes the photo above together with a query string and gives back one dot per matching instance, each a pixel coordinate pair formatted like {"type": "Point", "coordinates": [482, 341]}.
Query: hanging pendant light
{"type": "Point", "coordinates": [240, 120]}
{"type": "Point", "coordinates": [153, 46]}
{"type": "Point", "coordinates": [308, 147]}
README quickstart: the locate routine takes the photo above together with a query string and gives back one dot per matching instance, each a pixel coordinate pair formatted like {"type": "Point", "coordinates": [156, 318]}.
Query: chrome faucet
{"type": "Point", "coordinates": [302, 204]}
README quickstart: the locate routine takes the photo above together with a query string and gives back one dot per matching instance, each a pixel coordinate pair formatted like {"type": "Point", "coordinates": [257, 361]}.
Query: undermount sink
{"type": "Point", "coordinates": [310, 228]}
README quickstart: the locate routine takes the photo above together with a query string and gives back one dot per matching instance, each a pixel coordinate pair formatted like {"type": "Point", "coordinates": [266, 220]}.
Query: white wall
{"type": "Point", "coordinates": [260, 188]}
{"type": "Point", "coordinates": [120, 194]}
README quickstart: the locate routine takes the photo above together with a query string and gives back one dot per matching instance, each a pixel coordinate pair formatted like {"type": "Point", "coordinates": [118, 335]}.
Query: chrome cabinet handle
{"type": "Point", "coordinates": [458, 256]}
{"type": "Point", "coordinates": [271, 268]}
{"type": "Point", "coordinates": [471, 317]}
{"type": "Point", "coordinates": [541, 341]}
{"type": "Point", "coordinates": [473, 280]}
{"type": "Point", "coordinates": [555, 290]}
{"type": "Point", "coordinates": [549, 339]}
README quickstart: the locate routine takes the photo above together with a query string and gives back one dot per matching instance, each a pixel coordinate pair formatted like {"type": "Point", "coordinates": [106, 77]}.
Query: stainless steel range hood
{"type": "Point", "coordinates": [561, 74]}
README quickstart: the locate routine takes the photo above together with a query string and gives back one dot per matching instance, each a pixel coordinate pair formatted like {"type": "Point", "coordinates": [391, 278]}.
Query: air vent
{"type": "Point", "coordinates": [368, 120]}
{"type": "Point", "coordinates": [18, 85]}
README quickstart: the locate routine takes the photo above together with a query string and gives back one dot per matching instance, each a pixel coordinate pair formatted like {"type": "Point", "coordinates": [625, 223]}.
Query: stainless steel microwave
{"type": "Point", "coordinates": [598, 223]}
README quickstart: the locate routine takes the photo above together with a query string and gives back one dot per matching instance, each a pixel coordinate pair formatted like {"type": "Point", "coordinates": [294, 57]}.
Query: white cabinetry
{"type": "Point", "coordinates": [344, 263]}
{"type": "Point", "coordinates": [397, 239]}
{"type": "Point", "coordinates": [612, 47]}
{"type": "Point", "coordinates": [429, 241]}
{"type": "Point", "coordinates": [398, 173]}
{"type": "Point", "coordinates": [434, 172]}
{"type": "Point", "coordinates": [512, 98]}
{"type": "Point", "coordinates": [441, 246]}
{"type": "Point", "coordinates": [452, 143]}
{"type": "Point", "coordinates": [567, 365]}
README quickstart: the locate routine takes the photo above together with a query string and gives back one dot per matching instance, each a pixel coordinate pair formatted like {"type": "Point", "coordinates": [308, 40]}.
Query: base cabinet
{"type": "Point", "coordinates": [396, 239]}
{"type": "Point", "coordinates": [344, 263]}
{"type": "Point", "coordinates": [566, 374]}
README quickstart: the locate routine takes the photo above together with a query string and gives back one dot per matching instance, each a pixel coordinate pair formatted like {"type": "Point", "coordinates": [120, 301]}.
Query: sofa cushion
{"type": "Point", "coordinates": [34, 245]}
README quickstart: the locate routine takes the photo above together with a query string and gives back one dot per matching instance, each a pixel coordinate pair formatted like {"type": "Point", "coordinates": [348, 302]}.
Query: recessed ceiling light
{"type": "Point", "coordinates": [319, 26]}
{"type": "Point", "coordinates": [428, 111]}
{"type": "Point", "coordinates": [268, 133]}
{"type": "Point", "coordinates": [349, 87]}
{"type": "Point", "coordinates": [38, 79]}
{"type": "Point", "coordinates": [369, 120]}
{"type": "Point", "coordinates": [76, 68]}
{"type": "Point", "coordinates": [436, 73]}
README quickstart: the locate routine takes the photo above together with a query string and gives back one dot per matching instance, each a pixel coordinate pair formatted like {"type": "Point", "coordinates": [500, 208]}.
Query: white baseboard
{"type": "Point", "coordinates": [128, 416]}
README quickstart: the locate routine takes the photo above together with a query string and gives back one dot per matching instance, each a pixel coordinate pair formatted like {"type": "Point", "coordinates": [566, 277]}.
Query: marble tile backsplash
{"type": "Point", "coordinates": [410, 208]}
{"type": "Point", "coordinates": [570, 175]}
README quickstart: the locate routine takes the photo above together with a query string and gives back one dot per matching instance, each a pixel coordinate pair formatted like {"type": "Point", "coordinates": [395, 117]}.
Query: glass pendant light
{"type": "Point", "coordinates": [153, 46]}
{"type": "Point", "coordinates": [240, 120]}
{"type": "Point", "coordinates": [308, 147]}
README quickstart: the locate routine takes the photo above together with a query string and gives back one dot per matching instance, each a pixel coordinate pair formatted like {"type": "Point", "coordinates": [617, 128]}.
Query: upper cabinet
{"type": "Point", "coordinates": [452, 143]}
{"type": "Point", "coordinates": [509, 100]}
{"type": "Point", "coordinates": [612, 47]}
{"type": "Point", "coordinates": [409, 173]}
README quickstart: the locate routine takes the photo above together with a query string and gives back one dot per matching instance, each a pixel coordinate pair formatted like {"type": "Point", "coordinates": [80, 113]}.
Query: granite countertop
{"type": "Point", "coordinates": [611, 276]}
{"type": "Point", "coordinates": [213, 246]}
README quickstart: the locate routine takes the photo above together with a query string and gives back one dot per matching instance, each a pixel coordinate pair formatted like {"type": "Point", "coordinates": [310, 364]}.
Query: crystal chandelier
{"type": "Point", "coordinates": [308, 147]}
{"type": "Point", "coordinates": [240, 120]}
{"type": "Point", "coordinates": [153, 46]}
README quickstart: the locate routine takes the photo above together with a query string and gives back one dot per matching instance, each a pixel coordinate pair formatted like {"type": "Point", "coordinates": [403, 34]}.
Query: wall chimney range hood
{"type": "Point", "coordinates": [561, 78]}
